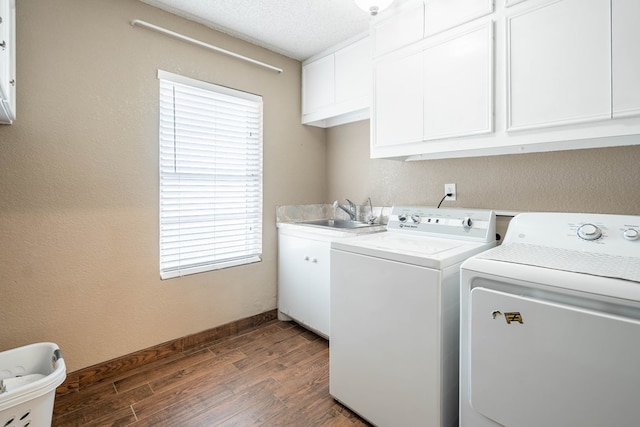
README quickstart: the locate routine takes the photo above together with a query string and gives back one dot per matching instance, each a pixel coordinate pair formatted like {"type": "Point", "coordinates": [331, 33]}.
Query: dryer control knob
{"type": "Point", "coordinates": [589, 232]}
{"type": "Point", "coordinates": [402, 217]}
{"type": "Point", "coordinates": [415, 219]}
{"type": "Point", "coordinates": [466, 223]}
{"type": "Point", "coordinates": [631, 234]}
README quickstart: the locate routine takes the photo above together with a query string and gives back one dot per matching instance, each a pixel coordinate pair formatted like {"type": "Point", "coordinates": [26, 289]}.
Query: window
{"type": "Point", "coordinates": [210, 176]}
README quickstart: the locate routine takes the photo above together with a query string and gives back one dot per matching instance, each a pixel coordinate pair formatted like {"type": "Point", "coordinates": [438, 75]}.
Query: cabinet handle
{"type": "Point", "coordinates": [314, 260]}
{"type": "Point", "coordinates": [306, 258]}
{"type": "Point", "coordinates": [12, 82]}
{"type": "Point", "coordinates": [3, 45]}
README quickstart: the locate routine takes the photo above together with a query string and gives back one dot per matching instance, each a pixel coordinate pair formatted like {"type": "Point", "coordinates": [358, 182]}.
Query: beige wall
{"type": "Point", "coordinates": [598, 180]}
{"type": "Point", "coordinates": [79, 180]}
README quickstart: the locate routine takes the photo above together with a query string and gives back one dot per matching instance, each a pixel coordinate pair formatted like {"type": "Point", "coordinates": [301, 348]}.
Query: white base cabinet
{"type": "Point", "coordinates": [303, 280]}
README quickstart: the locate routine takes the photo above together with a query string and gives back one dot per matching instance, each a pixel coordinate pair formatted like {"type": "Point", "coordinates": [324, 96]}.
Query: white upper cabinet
{"type": "Point", "coordinates": [398, 29]}
{"type": "Point", "coordinates": [318, 82]}
{"type": "Point", "coordinates": [7, 61]}
{"type": "Point", "coordinates": [626, 57]}
{"type": "Point", "coordinates": [353, 74]}
{"type": "Point", "coordinates": [458, 85]}
{"type": "Point", "coordinates": [505, 77]}
{"type": "Point", "coordinates": [336, 88]}
{"type": "Point", "coordinates": [443, 89]}
{"type": "Point", "coordinates": [512, 2]}
{"type": "Point", "coordinates": [558, 60]}
{"type": "Point", "coordinates": [441, 15]}
{"type": "Point", "coordinates": [398, 107]}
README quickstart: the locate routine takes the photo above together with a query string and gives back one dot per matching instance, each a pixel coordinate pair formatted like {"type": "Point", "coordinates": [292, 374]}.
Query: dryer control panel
{"type": "Point", "coordinates": [597, 233]}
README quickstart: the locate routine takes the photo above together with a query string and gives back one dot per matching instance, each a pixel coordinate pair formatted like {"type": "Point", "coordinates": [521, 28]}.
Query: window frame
{"type": "Point", "coordinates": [250, 184]}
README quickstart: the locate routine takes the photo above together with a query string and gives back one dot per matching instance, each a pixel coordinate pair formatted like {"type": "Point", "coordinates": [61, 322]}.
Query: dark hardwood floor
{"type": "Point", "coordinates": [276, 375]}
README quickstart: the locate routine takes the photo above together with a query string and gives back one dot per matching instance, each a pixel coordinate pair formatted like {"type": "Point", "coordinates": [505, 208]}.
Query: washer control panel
{"type": "Point", "coordinates": [468, 224]}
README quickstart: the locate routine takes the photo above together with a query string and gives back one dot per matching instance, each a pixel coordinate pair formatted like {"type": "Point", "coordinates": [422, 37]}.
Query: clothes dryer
{"type": "Point", "coordinates": [550, 324]}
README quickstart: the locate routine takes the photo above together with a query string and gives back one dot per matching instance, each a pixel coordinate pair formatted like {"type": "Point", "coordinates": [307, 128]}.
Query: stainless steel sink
{"type": "Point", "coordinates": [338, 223]}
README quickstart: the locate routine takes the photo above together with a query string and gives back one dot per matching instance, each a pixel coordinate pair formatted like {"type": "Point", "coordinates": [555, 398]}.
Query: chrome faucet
{"type": "Point", "coordinates": [351, 210]}
{"type": "Point", "coordinates": [372, 218]}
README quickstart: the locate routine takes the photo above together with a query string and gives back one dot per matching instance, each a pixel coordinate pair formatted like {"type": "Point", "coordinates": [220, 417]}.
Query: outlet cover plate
{"type": "Point", "coordinates": [450, 188]}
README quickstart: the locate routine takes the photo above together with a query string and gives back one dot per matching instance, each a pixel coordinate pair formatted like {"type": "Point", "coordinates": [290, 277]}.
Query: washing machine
{"type": "Point", "coordinates": [394, 315]}
{"type": "Point", "coordinates": [550, 324]}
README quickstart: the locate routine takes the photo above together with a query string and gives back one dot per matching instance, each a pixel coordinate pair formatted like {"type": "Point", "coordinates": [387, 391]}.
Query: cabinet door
{"type": "Point", "coordinates": [441, 15]}
{"type": "Point", "coordinates": [4, 51]}
{"type": "Point", "coordinates": [626, 57]}
{"type": "Point", "coordinates": [303, 280]}
{"type": "Point", "coordinates": [293, 284]}
{"type": "Point", "coordinates": [319, 286]}
{"type": "Point", "coordinates": [318, 84]}
{"type": "Point", "coordinates": [398, 101]}
{"type": "Point", "coordinates": [559, 64]}
{"type": "Point", "coordinates": [7, 61]}
{"type": "Point", "coordinates": [398, 30]}
{"type": "Point", "coordinates": [353, 72]}
{"type": "Point", "coordinates": [458, 85]}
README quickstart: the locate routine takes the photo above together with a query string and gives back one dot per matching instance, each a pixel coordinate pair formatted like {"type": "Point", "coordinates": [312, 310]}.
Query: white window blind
{"type": "Point", "coordinates": [210, 176]}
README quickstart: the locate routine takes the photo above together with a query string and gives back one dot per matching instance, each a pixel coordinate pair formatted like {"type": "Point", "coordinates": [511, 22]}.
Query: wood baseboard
{"type": "Point", "coordinates": [96, 373]}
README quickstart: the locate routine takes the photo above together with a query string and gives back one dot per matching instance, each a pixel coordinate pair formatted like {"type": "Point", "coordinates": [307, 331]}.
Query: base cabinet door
{"type": "Point", "coordinates": [303, 281]}
{"type": "Point", "coordinates": [293, 291]}
{"type": "Point", "coordinates": [319, 287]}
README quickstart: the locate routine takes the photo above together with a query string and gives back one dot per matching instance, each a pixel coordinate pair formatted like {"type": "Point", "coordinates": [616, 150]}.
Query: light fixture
{"type": "Point", "coordinates": [373, 6]}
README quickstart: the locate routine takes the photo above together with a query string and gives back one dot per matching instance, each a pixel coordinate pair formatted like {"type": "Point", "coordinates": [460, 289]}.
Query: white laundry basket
{"type": "Point", "coordinates": [29, 376]}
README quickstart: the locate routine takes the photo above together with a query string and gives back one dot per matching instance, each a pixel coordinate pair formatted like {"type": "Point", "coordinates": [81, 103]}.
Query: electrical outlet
{"type": "Point", "coordinates": [450, 188]}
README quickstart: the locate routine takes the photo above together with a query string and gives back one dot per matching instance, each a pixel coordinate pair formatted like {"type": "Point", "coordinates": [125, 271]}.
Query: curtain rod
{"type": "Point", "coordinates": [202, 44]}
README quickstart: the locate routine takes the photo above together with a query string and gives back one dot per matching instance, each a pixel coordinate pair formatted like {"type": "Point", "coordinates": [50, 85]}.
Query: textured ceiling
{"type": "Point", "coordinates": [295, 28]}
